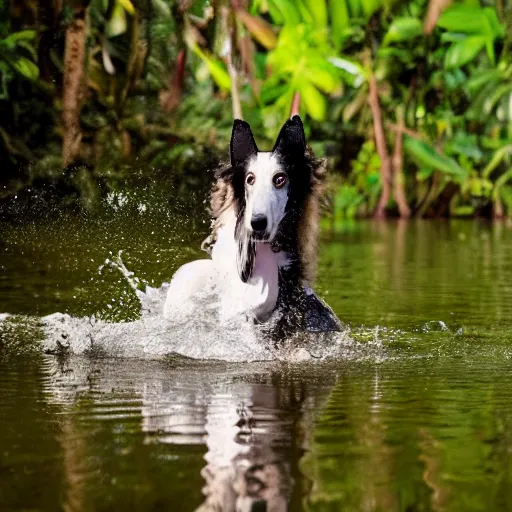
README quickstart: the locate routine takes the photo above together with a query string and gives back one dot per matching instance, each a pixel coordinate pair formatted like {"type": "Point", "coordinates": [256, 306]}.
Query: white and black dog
{"type": "Point", "coordinates": [265, 211]}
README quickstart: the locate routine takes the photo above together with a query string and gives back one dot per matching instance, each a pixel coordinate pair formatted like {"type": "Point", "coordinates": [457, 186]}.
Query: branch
{"type": "Point", "coordinates": [404, 129]}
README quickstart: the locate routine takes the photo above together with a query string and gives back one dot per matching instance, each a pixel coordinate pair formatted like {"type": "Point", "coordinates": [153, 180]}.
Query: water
{"type": "Point", "coordinates": [412, 411]}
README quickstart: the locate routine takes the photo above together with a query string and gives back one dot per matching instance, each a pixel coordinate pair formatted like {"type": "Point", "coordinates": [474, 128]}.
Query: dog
{"type": "Point", "coordinates": [265, 208]}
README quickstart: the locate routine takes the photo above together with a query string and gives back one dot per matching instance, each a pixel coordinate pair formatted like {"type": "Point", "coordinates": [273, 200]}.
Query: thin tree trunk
{"type": "Point", "coordinates": [398, 177]}
{"type": "Point", "coordinates": [235, 91]}
{"type": "Point", "coordinates": [228, 21]}
{"type": "Point", "coordinates": [294, 110]}
{"type": "Point", "coordinates": [382, 150]}
{"type": "Point", "coordinates": [74, 58]}
{"type": "Point", "coordinates": [498, 211]}
{"type": "Point", "coordinates": [170, 97]}
{"type": "Point", "coordinates": [435, 8]}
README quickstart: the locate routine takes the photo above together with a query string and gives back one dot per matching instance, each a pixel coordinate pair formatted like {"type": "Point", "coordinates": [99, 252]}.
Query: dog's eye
{"type": "Point", "coordinates": [279, 180]}
{"type": "Point", "coordinates": [250, 179]}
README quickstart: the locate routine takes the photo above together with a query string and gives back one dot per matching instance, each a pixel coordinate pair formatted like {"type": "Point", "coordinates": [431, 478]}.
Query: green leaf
{"type": "Point", "coordinates": [403, 29]}
{"type": "Point", "coordinates": [355, 8]}
{"type": "Point", "coordinates": [314, 101]}
{"type": "Point", "coordinates": [352, 68]}
{"type": "Point", "coordinates": [259, 29]}
{"type": "Point", "coordinates": [340, 20]}
{"type": "Point", "coordinates": [127, 6]}
{"type": "Point", "coordinates": [161, 7]}
{"type": "Point", "coordinates": [324, 79]}
{"type": "Point", "coordinates": [463, 52]}
{"type": "Point", "coordinates": [477, 81]}
{"type": "Point", "coordinates": [498, 157]}
{"type": "Point", "coordinates": [491, 101]}
{"type": "Point", "coordinates": [216, 68]}
{"type": "Point", "coordinates": [424, 174]}
{"type": "Point", "coordinates": [465, 144]}
{"type": "Point", "coordinates": [305, 14]}
{"type": "Point", "coordinates": [452, 37]}
{"type": "Point", "coordinates": [287, 9]}
{"type": "Point", "coordinates": [507, 175]}
{"type": "Point", "coordinates": [318, 9]}
{"type": "Point", "coordinates": [497, 28]}
{"type": "Point", "coordinates": [117, 23]}
{"type": "Point", "coordinates": [22, 35]}
{"type": "Point", "coordinates": [427, 156]}
{"type": "Point", "coordinates": [464, 211]}
{"type": "Point", "coordinates": [25, 67]}
{"type": "Point", "coordinates": [370, 6]}
{"type": "Point", "coordinates": [463, 18]}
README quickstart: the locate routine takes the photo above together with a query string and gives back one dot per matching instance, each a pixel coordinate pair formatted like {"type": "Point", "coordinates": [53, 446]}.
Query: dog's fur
{"type": "Point", "coordinates": [299, 231]}
{"type": "Point", "coordinates": [284, 187]}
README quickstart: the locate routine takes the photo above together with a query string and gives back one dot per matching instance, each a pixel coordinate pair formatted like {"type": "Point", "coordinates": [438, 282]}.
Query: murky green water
{"type": "Point", "coordinates": [420, 420]}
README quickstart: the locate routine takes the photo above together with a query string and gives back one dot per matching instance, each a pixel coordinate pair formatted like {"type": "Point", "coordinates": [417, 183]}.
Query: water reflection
{"type": "Point", "coordinates": [250, 424]}
{"type": "Point", "coordinates": [401, 434]}
{"type": "Point", "coordinates": [406, 273]}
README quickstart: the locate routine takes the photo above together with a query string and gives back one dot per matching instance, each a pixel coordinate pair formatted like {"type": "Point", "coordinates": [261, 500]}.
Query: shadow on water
{"type": "Point", "coordinates": [414, 414]}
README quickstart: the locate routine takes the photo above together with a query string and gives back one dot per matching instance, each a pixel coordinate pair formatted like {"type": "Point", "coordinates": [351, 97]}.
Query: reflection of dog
{"type": "Point", "coordinates": [265, 210]}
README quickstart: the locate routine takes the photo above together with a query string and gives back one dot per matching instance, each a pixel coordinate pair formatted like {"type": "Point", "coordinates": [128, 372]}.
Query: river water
{"type": "Point", "coordinates": [412, 411]}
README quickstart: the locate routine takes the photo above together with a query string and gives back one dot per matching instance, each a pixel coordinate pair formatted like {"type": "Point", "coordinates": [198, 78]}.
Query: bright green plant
{"type": "Point", "coordinates": [17, 56]}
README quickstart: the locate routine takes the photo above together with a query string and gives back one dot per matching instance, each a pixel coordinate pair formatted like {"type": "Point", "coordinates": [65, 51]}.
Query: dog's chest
{"type": "Point", "coordinates": [257, 297]}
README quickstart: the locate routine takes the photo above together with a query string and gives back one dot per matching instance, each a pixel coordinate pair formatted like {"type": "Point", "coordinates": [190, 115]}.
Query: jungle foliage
{"type": "Point", "coordinates": [411, 100]}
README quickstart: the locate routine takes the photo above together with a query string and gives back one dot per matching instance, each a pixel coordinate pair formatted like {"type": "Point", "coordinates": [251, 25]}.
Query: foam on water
{"type": "Point", "coordinates": [196, 332]}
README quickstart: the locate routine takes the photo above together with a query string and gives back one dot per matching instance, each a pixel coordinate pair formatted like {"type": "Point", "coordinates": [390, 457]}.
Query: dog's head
{"type": "Point", "coordinates": [266, 185]}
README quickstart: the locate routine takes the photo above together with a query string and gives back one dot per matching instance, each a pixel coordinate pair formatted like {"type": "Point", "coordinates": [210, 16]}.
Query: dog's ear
{"type": "Point", "coordinates": [245, 259]}
{"type": "Point", "coordinates": [246, 249]}
{"type": "Point", "coordinates": [242, 144]}
{"type": "Point", "coordinates": [291, 139]}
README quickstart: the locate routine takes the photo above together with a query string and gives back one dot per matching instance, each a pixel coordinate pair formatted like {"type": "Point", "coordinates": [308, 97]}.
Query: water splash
{"type": "Point", "coordinates": [197, 332]}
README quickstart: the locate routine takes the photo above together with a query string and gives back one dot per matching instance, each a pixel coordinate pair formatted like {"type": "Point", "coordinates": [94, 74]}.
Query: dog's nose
{"type": "Point", "coordinates": [259, 223]}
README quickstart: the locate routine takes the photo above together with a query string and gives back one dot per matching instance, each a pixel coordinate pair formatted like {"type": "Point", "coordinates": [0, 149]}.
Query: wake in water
{"type": "Point", "coordinates": [197, 331]}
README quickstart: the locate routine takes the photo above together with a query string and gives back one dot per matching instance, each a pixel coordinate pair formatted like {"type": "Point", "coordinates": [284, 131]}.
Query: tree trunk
{"type": "Point", "coordinates": [294, 110]}
{"type": "Point", "coordinates": [435, 8]}
{"type": "Point", "coordinates": [230, 28]}
{"type": "Point", "coordinates": [398, 177]}
{"type": "Point", "coordinates": [382, 150]}
{"type": "Point", "coordinates": [170, 97]}
{"type": "Point", "coordinates": [74, 58]}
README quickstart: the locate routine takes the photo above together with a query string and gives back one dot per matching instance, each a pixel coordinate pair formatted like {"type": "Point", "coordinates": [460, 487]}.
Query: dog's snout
{"type": "Point", "coordinates": [259, 223]}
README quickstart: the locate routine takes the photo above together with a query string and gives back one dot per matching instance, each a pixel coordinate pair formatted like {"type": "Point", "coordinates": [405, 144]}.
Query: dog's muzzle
{"type": "Point", "coordinates": [259, 227]}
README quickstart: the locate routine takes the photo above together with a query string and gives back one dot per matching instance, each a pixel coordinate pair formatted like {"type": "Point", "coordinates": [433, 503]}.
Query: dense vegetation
{"type": "Point", "coordinates": [412, 100]}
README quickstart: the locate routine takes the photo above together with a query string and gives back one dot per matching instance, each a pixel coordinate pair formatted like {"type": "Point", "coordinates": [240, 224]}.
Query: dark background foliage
{"type": "Point", "coordinates": [410, 100]}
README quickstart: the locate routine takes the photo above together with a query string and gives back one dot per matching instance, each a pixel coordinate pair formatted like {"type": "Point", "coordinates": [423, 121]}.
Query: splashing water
{"type": "Point", "coordinates": [196, 332]}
